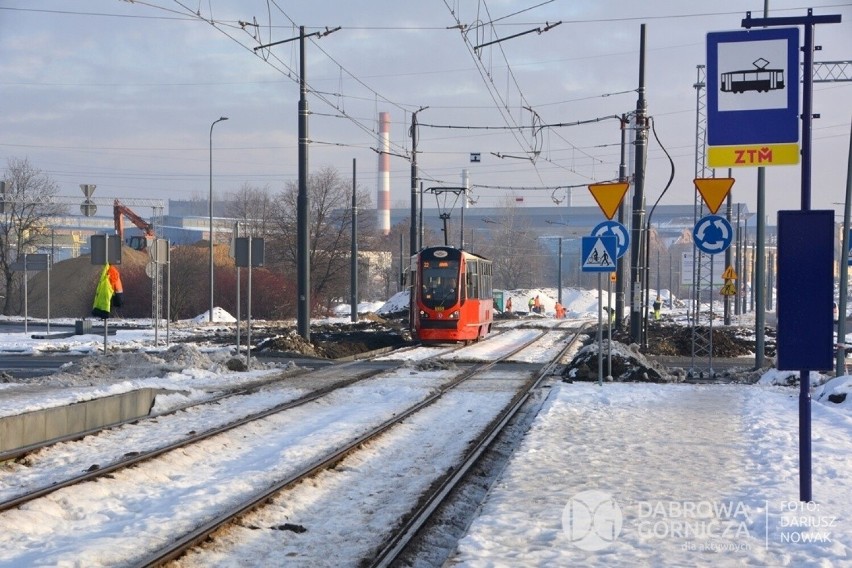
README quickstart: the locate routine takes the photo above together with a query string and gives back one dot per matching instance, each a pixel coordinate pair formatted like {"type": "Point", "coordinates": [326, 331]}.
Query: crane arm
{"type": "Point", "coordinates": [120, 211]}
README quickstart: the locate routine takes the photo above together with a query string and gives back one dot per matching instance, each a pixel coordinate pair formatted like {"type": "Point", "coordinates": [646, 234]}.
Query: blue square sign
{"type": "Point", "coordinates": [599, 253]}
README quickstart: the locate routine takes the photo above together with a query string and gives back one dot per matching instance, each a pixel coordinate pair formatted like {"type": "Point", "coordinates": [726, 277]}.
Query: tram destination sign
{"type": "Point", "coordinates": [753, 97]}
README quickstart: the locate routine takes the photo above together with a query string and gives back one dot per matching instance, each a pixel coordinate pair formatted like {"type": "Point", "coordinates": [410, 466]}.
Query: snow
{"type": "Point", "coordinates": [397, 303]}
{"type": "Point", "coordinates": [219, 315]}
{"type": "Point", "coordinates": [345, 310]}
{"type": "Point", "coordinates": [619, 475]}
{"type": "Point", "coordinates": [651, 492]}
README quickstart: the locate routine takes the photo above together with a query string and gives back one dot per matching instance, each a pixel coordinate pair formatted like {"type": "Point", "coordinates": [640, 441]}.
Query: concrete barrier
{"type": "Point", "coordinates": [33, 429]}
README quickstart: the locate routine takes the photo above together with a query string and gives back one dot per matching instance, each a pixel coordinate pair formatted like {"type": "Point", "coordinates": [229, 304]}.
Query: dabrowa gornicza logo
{"type": "Point", "coordinates": [593, 520]}
{"type": "Point", "coordinates": [710, 525]}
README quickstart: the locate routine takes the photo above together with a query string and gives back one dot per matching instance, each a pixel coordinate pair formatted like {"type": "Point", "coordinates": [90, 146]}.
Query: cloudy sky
{"type": "Point", "coordinates": [123, 95]}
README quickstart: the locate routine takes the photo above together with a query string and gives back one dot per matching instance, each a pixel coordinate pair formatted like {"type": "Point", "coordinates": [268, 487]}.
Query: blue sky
{"type": "Point", "coordinates": [122, 94]}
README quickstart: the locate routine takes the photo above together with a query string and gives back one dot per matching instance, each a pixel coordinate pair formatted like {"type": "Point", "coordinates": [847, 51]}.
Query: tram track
{"type": "Point", "coordinates": [328, 379]}
{"type": "Point", "coordinates": [204, 532]}
{"type": "Point", "coordinates": [327, 459]}
{"type": "Point", "coordinates": [438, 489]}
{"type": "Point", "coordinates": [400, 544]}
{"type": "Point", "coordinates": [132, 461]}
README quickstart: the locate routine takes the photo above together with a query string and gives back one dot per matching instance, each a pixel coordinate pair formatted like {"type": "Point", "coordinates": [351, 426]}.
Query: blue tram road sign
{"type": "Point", "coordinates": [753, 97]}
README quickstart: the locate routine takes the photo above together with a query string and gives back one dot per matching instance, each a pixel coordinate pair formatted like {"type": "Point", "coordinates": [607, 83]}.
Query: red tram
{"type": "Point", "coordinates": [452, 299]}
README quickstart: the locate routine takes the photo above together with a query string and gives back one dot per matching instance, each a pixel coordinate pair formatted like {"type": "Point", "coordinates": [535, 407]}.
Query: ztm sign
{"type": "Point", "coordinates": [753, 98]}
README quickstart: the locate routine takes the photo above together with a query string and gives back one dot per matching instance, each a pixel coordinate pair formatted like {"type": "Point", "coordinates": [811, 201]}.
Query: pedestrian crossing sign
{"type": "Point", "coordinates": [599, 253]}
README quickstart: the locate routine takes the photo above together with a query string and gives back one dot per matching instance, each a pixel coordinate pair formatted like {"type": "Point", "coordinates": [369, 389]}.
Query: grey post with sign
{"type": "Point", "coordinates": [248, 252]}
{"type": "Point", "coordinates": [106, 249]}
{"type": "Point", "coordinates": [88, 207]}
{"type": "Point", "coordinates": [26, 263]}
{"type": "Point", "coordinates": [159, 254]}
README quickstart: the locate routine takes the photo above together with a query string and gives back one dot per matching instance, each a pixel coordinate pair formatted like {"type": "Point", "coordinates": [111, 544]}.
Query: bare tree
{"type": "Point", "coordinates": [27, 207]}
{"type": "Point", "coordinates": [330, 232]}
{"type": "Point", "coordinates": [254, 207]}
{"type": "Point", "coordinates": [513, 249]}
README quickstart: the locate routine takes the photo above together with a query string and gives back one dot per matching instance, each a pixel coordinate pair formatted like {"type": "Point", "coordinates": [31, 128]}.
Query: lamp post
{"type": "Point", "coordinates": [210, 212]}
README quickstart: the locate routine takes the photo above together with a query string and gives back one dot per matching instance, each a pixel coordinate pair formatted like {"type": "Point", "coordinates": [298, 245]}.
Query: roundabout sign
{"type": "Point", "coordinates": [712, 234]}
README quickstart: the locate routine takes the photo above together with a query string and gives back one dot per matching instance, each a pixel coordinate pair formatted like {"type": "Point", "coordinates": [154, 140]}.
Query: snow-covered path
{"type": "Point", "coordinates": [666, 475]}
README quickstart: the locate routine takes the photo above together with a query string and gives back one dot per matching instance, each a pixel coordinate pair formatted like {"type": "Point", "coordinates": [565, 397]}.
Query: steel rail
{"type": "Point", "coordinates": [201, 533]}
{"type": "Point", "coordinates": [396, 546]}
{"type": "Point", "coordinates": [132, 458]}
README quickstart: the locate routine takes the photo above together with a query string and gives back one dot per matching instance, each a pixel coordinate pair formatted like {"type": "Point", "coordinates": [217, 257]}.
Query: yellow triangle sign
{"type": "Point", "coordinates": [729, 273]}
{"type": "Point", "coordinates": [728, 289]}
{"type": "Point", "coordinates": [609, 196]}
{"type": "Point", "coordinates": [714, 191]}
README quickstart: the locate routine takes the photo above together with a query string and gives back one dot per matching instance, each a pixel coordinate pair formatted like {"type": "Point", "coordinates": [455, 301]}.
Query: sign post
{"type": "Point", "coordinates": [599, 255]}
{"type": "Point", "coordinates": [808, 22]}
{"type": "Point", "coordinates": [248, 252]}
{"type": "Point", "coordinates": [38, 262]}
{"type": "Point", "coordinates": [609, 196]}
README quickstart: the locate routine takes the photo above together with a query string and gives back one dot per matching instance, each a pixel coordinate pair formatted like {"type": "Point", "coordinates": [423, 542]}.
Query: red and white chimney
{"type": "Point", "coordinates": [383, 199]}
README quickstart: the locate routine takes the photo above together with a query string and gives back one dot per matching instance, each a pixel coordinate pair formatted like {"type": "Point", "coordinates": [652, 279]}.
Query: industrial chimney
{"type": "Point", "coordinates": [383, 198]}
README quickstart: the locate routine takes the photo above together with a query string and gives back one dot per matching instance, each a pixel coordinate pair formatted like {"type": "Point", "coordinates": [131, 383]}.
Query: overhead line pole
{"type": "Point", "coordinates": [636, 260]}
{"type": "Point", "coordinates": [619, 267]}
{"type": "Point", "coordinates": [303, 263]}
{"type": "Point", "coordinates": [353, 267]}
{"type": "Point", "coordinates": [303, 205]}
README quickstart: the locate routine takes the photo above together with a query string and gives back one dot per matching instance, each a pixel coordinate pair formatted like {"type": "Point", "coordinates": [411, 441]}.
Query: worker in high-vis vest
{"type": "Point", "coordinates": [109, 292]}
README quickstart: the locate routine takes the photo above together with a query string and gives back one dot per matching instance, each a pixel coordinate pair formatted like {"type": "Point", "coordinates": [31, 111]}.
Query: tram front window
{"type": "Point", "coordinates": [440, 285]}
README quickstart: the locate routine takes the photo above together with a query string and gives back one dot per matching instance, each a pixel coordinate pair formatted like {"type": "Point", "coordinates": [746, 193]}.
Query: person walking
{"type": "Point", "coordinates": [657, 305]}
{"type": "Point", "coordinates": [509, 305]}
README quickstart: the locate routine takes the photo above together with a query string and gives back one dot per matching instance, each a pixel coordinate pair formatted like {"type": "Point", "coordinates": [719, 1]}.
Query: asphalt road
{"type": "Point", "coordinates": [25, 365]}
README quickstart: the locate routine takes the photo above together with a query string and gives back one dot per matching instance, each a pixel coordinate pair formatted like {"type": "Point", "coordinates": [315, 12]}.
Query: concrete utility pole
{"type": "Point", "coordinates": [353, 266]}
{"type": "Point", "coordinates": [636, 260]}
{"type": "Point", "coordinates": [760, 259]}
{"type": "Point", "coordinates": [413, 241]}
{"type": "Point", "coordinates": [303, 266]}
{"type": "Point", "coordinates": [303, 205]}
{"type": "Point", "coordinates": [619, 268]}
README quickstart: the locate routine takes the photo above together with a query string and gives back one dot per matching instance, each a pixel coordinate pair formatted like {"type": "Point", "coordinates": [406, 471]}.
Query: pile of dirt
{"type": "Point", "coordinates": [669, 338]}
{"type": "Point", "coordinates": [334, 341]}
{"type": "Point", "coordinates": [73, 281]}
{"type": "Point", "coordinates": [630, 363]}
{"type": "Point", "coordinates": [115, 367]}
{"type": "Point", "coordinates": [72, 285]}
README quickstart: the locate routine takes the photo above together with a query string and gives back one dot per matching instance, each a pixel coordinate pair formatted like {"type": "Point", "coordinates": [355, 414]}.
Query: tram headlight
{"type": "Point", "coordinates": [423, 315]}
{"type": "Point", "coordinates": [455, 315]}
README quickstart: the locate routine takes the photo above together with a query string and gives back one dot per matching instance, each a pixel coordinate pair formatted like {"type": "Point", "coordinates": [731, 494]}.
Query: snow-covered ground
{"type": "Point", "coordinates": [668, 475]}
{"type": "Point", "coordinates": [618, 475]}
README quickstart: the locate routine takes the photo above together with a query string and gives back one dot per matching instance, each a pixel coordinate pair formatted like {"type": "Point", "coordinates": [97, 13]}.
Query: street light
{"type": "Point", "coordinates": [210, 212]}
